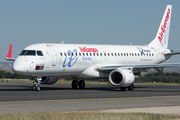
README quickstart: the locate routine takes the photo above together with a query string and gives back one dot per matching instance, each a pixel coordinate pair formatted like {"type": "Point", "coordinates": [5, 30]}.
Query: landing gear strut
{"type": "Point", "coordinates": [76, 83]}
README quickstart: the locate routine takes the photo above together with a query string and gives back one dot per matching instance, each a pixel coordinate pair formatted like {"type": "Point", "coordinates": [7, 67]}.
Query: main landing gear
{"type": "Point", "coordinates": [130, 88]}
{"type": "Point", "coordinates": [76, 83]}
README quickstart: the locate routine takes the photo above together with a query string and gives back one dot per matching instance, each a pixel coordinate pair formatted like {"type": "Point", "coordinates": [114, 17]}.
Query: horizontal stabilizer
{"type": "Point", "coordinates": [172, 53]}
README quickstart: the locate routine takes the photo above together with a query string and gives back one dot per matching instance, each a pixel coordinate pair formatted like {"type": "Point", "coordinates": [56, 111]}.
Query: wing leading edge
{"type": "Point", "coordinates": [110, 68]}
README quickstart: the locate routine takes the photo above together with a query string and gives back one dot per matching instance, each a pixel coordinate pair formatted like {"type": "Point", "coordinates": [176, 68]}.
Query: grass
{"type": "Point", "coordinates": [15, 81]}
{"type": "Point", "coordinates": [87, 82]}
{"type": "Point", "coordinates": [87, 116]}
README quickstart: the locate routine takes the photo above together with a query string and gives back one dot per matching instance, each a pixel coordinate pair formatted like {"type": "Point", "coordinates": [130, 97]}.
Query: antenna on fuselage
{"type": "Point", "coordinates": [62, 42]}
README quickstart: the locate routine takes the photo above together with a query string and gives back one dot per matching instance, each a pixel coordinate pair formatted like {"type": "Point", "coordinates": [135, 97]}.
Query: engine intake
{"type": "Point", "coordinates": [121, 77]}
{"type": "Point", "coordinates": [47, 80]}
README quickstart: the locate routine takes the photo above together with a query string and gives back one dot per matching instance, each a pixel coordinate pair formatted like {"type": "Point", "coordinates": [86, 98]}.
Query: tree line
{"type": "Point", "coordinates": [160, 77]}
{"type": "Point", "coordinates": [4, 74]}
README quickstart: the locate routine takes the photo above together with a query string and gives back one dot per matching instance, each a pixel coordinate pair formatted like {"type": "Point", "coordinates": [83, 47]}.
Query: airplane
{"type": "Point", "coordinates": [45, 62]}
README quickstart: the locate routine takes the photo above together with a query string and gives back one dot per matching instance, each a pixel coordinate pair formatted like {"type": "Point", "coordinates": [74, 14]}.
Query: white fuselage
{"type": "Point", "coordinates": [81, 60]}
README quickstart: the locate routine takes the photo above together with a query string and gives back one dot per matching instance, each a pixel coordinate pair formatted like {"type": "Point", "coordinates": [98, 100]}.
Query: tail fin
{"type": "Point", "coordinates": [162, 36]}
{"type": "Point", "coordinates": [9, 57]}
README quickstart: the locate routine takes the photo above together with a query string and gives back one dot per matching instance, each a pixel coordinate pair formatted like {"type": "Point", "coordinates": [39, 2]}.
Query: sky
{"type": "Point", "coordinates": [118, 22]}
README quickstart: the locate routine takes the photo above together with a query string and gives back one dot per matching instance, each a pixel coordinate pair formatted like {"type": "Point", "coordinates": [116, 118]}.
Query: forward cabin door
{"type": "Point", "coordinates": [53, 54]}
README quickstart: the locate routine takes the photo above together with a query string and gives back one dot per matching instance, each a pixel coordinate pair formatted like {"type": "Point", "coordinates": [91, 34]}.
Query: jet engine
{"type": "Point", "coordinates": [121, 77]}
{"type": "Point", "coordinates": [47, 80]}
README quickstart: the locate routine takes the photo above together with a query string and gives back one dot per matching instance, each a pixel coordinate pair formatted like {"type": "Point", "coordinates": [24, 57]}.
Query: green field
{"type": "Point", "coordinates": [87, 116]}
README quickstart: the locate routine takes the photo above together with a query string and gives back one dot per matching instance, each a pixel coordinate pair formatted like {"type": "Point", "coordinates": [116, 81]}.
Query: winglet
{"type": "Point", "coordinates": [9, 55]}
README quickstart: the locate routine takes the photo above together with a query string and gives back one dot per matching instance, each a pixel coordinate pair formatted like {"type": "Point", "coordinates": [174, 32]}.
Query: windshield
{"type": "Point", "coordinates": [28, 52]}
{"type": "Point", "coordinates": [39, 53]}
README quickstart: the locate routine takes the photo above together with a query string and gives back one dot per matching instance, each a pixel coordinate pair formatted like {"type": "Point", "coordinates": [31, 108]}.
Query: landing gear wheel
{"type": "Point", "coordinates": [131, 87]}
{"type": "Point", "coordinates": [81, 84]}
{"type": "Point", "coordinates": [123, 88]}
{"type": "Point", "coordinates": [74, 84]}
{"type": "Point", "coordinates": [36, 87]}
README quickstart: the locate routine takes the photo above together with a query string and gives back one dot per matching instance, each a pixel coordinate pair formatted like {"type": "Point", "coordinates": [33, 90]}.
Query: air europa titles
{"type": "Point", "coordinates": [163, 27]}
{"type": "Point", "coordinates": [84, 49]}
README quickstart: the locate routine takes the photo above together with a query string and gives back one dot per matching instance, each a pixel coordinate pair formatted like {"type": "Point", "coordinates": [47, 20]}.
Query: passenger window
{"type": "Point", "coordinates": [115, 54]}
{"type": "Point", "coordinates": [127, 54]}
{"type": "Point", "coordinates": [61, 53]}
{"type": "Point", "coordinates": [64, 54]}
{"type": "Point", "coordinates": [104, 54]}
{"type": "Point", "coordinates": [108, 54]}
{"type": "Point", "coordinates": [97, 54]}
{"type": "Point", "coordinates": [94, 54]}
{"type": "Point", "coordinates": [112, 54]}
{"type": "Point", "coordinates": [132, 54]}
{"type": "Point", "coordinates": [121, 54]}
{"type": "Point", "coordinates": [118, 54]}
{"type": "Point", "coordinates": [79, 54]}
{"type": "Point", "coordinates": [90, 54]}
{"type": "Point", "coordinates": [101, 54]}
{"type": "Point", "coordinates": [87, 54]}
{"type": "Point", "coordinates": [68, 54]}
{"type": "Point", "coordinates": [124, 54]}
{"type": "Point", "coordinates": [83, 54]}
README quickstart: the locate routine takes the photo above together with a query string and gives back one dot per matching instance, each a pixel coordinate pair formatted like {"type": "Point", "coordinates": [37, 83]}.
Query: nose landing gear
{"type": "Point", "coordinates": [36, 86]}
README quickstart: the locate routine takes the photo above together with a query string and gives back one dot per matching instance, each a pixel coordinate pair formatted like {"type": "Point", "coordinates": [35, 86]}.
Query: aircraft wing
{"type": "Point", "coordinates": [8, 57]}
{"type": "Point", "coordinates": [109, 68]}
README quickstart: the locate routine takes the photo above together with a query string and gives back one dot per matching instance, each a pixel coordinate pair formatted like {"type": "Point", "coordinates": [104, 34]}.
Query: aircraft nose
{"type": "Point", "coordinates": [18, 67]}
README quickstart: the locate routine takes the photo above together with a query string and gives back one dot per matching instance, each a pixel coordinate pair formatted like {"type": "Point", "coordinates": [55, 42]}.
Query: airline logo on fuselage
{"type": "Point", "coordinates": [143, 50]}
{"type": "Point", "coordinates": [84, 49]}
{"type": "Point", "coordinates": [70, 58]}
{"type": "Point", "coordinates": [163, 27]}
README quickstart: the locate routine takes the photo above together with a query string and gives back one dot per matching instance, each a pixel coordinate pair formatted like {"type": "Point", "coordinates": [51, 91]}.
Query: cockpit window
{"type": "Point", "coordinates": [28, 52]}
{"type": "Point", "coordinates": [39, 53]}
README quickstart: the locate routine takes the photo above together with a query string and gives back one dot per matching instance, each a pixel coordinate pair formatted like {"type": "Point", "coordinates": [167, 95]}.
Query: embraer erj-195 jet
{"type": "Point", "coordinates": [44, 63]}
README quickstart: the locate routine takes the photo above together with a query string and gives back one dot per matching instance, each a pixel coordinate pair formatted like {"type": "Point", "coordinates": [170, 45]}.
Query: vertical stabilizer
{"type": "Point", "coordinates": [9, 55]}
{"type": "Point", "coordinates": [162, 36]}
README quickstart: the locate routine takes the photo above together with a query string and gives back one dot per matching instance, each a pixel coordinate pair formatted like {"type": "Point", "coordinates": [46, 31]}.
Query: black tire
{"type": "Point", "coordinates": [74, 84]}
{"type": "Point", "coordinates": [123, 88]}
{"type": "Point", "coordinates": [131, 87]}
{"type": "Point", "coordinates": [36, 87]}
{"type": "Point", "coordinates": [81, 84]}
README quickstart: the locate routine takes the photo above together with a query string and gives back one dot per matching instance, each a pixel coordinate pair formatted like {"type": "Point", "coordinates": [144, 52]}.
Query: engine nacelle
{"type": "Point", "coordinates": [121, 77]}
{"type": "Point", "coordinates": [47, 80]}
